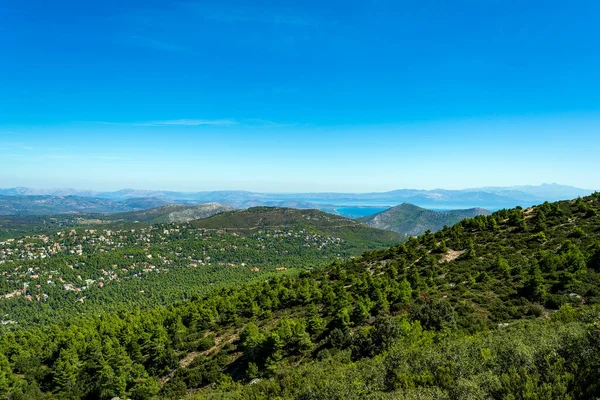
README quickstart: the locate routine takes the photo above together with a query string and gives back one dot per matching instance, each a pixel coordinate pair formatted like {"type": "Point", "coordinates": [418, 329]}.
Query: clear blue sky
{"type": "Point", "coordinates": [299, 95]}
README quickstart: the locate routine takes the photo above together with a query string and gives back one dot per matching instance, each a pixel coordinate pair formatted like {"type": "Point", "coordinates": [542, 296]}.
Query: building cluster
{"type": "Point", "coordinates": [76, 261]}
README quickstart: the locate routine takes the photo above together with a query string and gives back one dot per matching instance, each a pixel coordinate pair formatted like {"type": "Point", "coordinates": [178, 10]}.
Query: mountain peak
{"type": "Point", "coordinates": [412, 220]}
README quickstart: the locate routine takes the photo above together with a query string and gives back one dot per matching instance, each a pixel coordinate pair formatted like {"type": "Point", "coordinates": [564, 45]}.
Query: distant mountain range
{"type": "Point", "coordinates": [411, 220]}
{"type": "Point", "coordinates": [53, 201]}
{"type": "Point", "coordinates": [48, 204]}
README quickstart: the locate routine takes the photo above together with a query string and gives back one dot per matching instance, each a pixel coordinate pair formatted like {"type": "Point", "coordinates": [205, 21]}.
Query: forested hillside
{"type": "Point", "coordinates": [47, 277]}
{"type": "Point", "coordinates": [500, 306]}
{"type": "Point", "coordinates": [313, 220]}
{"type": "Point", "coordinates": [410, 220]}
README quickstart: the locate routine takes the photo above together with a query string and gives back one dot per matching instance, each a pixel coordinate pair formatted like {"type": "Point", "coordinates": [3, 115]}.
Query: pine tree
{"type": "Point", "coordinates": [594, 261]}
{"type": "Point", "coordinates": [470, 254]}
{"type": "Point", "coordinates": [535, 284]}
{"type": "Point", "coordinates": [360, 312]}
{"type": "Point", "coordinates": [493, 224]}
{"type": "Point", "coordinates": [106, 381]}
{"type": "Point", "coordinates": [540, 220]}
{"type": "Point", "coordinates": [66, 370]}
{"type": "Point", "coordinates": [252, 341]}
{"type": "Point", "coordinates": [406, 291]}
{"type": "Point", "coordinates": [6, 377]}
{"type": "Point", "coordinates": [252, 371]}
{"type": "Point", "coordinates": [382, 305]}
{"type": "Point", "coordinates": [315, 323]}
{"type": "Point", "coordinates": [443, 247]}
{"type": "Point", "coordinates": [502, 266]}
{"type": "Point", "coordinates": [342, 319]}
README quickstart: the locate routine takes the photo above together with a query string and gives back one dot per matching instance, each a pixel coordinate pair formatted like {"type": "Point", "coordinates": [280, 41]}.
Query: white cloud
{"type": "Point", "coordinates": [265, 123]}
{"type": "Point", "coordinates": [203, 122]}
{"type": "Point", "coordinates": [82, 157]}
{"type": "Point", "coordinates": [189, 122]}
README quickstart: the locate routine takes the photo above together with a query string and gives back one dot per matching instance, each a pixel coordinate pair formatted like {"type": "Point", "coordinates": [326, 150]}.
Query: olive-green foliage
{"type": "Point", "coordinates": [499, 314]}
{"type": "Point", "coordinates": [146, 267]}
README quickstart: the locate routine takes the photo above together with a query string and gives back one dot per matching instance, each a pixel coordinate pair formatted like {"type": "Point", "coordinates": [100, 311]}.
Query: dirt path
{"type": "Point", "coordinates": [451, 255]}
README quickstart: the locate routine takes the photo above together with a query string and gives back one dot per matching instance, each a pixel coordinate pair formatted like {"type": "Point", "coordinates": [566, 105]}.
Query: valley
{"type": "Point", "coordinates": [109, 267]}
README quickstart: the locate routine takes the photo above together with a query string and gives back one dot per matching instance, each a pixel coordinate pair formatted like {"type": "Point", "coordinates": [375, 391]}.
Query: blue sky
{"type": "Point", "coordinates": [299, 95]}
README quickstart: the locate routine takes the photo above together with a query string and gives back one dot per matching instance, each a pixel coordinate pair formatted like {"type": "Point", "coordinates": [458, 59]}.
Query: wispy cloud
{"type": "Point", "coordinates": [188, 122]}
{"type": "Point", "coordinates": [83, 157]}
{"type": "Point", "coordinates": [62, 156]}
{"type": "Point", "coordinates": [265, 123]}
{"type": "Point", "coordinates": [248, 122]}
{"type": "Point", "coordinates": [19, 147]}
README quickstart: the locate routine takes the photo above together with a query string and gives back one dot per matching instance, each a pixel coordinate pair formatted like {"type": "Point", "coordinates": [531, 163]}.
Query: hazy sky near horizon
{"type": "Point", "coordinates": [299, 95]}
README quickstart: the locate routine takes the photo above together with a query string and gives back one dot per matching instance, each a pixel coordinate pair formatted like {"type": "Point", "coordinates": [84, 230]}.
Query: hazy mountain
{"type": "Point", "coordinates": [412, 220]}
{"type": "Point", "coordinates": [47, 205]}
{"type": "Point", "coordinates": [172, 213]}
{"type": "Point", "coordinates": [547, 191]}
{"type": "Point", "coordinates": [24, 191]}
{"type": "Point", "coordinates": [486, 197]}
{"type": "Point", "coordinates": [144, 203]}
{"type": "Point", "coordinates": [20, 224]}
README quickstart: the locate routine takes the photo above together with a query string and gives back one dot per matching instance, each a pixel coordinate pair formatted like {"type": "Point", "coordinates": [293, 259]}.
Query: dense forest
{"type": "Point", "coordinates": [496, 307]}
{"type": "Point", "coordinates": [48, 277]}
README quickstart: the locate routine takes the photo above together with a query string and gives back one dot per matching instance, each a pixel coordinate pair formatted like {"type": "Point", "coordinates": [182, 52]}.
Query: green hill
{"type": "Point", "coordinates": [109, 262]}
{"type": "Point", "coordinates": [411, 220]}
{"type": "Point", "coordinates": [504, 306]}
{"type": "Point", "coordinates": [314, 220]}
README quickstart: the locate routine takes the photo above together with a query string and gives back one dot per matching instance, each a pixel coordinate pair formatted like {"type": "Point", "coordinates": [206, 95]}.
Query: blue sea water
{"type": "Point", "coordinates": [359, 211]}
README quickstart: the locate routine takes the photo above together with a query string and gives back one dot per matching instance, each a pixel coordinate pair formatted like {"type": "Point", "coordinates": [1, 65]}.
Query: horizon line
{"type": "Point", "coordinates": [480, 188]}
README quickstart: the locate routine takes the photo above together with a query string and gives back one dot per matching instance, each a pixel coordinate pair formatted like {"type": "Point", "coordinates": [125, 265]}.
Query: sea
{"type": "Point", "coordinates": [357, 212]}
